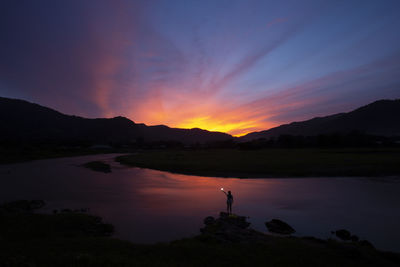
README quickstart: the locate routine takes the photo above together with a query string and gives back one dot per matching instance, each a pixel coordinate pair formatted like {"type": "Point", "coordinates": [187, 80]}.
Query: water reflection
{"type": "Point", "coordinates": [150, 206]}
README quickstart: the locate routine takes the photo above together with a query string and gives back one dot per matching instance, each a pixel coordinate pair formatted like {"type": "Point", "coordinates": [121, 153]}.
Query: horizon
{"type": "Point", "coordinates": [378, 100]}
{"type": "Point", "coordinates": [226, 66]}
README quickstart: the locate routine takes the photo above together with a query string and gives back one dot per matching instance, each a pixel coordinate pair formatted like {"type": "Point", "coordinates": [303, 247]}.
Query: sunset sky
{"type": "Point", "coordinates": [231, 66]}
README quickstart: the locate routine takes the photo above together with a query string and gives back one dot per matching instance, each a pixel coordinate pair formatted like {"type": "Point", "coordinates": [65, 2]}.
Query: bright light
{"type": "Point", "coordinates": [212, 124]}
{"type": "Point", "coordinates": [222, 189]}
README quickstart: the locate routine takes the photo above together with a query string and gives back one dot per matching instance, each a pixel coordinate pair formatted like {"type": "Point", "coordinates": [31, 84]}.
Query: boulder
{"type": "Point", "coordinates": [366, 243]}
{"type": "Point", "coordinates": [229, 228]}
{"type": "Point", "coordinates": [343, 234]}
{"type": "Point", "coordinates": [279, 227]}
{"type": "Point", "coordinates": [36, 204]}
{"type": "Point", "coordinates": [354, 238]}
{"type": "Point", "coordinates": [209, 220]}
{"type": "Point", "coordinates": [233, 220]}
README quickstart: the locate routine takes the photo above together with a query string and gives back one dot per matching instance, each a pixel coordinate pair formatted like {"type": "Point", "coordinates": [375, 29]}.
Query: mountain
{"type": "Point", "coordinates": [25, 122]}
{"type": "Point", "coordinates": [378, 118]}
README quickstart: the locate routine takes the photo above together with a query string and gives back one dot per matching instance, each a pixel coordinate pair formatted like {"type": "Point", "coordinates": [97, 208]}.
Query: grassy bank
{"type": "Point", "coordinates": [270, 162]}
{"type": "Point", "coordinates": [15, 155]}
{"type": "Point", "coordinates": [91, 251]}
{"type": "Point", "coordinates": [74, 239]}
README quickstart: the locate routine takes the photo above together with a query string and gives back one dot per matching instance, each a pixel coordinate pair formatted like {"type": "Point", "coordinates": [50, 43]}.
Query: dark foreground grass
{"type": "Point", "coordinates": [270, 162]}
{"type": "Point", "coordinates": [66, 240]}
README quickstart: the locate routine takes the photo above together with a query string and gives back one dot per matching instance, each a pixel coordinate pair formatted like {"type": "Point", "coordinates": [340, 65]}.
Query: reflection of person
{"type": "Point", "coordinates": [229, 201]}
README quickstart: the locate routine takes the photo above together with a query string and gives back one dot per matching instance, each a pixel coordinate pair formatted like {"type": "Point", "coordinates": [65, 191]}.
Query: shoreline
{"type": "Point", "coordinates": [69, 238]}
{"type": "Point", "coordinates": [261, 176]}
{"type": "Point", "coordinates": [150, 160]}
{"type": "Point", "coordinates": [264, 164]}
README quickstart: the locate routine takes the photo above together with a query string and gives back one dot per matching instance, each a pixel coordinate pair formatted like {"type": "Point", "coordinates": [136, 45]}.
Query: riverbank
{"type": "Point", "coordinates": [70, 238]}
{"type": "Point", "coordinates": [271, 162]}
{"type": "Point", "coordinates": [24, 154]}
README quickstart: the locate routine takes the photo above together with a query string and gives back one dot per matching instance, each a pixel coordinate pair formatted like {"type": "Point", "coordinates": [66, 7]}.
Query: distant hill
{"type": "Point", "coordinates": [378, 118]}
{"type": "Point", "coordinates": [25, 122]}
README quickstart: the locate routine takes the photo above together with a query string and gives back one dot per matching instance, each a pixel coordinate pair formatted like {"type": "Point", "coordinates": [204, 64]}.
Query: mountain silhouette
{"type": "Point", "coordinates": [25, 122]}
{"type": "Point", "coordinates": [378, 118]}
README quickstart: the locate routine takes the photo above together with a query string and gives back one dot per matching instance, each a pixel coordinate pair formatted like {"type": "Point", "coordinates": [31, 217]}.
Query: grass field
{"type": "Point", "coordinates": [69, 240]}
{"type": "Point", "coordinates": [270, 162]}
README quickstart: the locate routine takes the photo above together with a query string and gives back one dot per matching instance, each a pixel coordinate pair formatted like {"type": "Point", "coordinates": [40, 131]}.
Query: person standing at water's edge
{"type": "Point", "coordinates": [229, 201]}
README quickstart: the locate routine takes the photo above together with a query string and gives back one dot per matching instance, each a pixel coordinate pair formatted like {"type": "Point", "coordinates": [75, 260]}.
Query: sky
{"type": "Point", "coordinates": [230, 66]}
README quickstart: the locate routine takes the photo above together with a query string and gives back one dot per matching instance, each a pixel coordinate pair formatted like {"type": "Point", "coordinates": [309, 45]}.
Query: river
{"type": "Point", "coordinates": [148, 206]}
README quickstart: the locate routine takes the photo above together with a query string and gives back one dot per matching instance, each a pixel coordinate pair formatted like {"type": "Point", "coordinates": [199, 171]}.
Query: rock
{"type": "Point", "coordinates": [366, 243]}
{"type": "Point", "coordinates": [233, 220]}
{"type": "Point", "coordinates": [279, 227]}
{"type": "Point", "coordinates": [343, 234]}
{"type": "Point", "coordinates": [37, 204]}
{"type": "Point", "coordinates": [229, 228]}
{"type": "Point", "coordinates": [354, 238]}
{"type": "Point", "coordinates": [209, 220]}
{"type": "Point", "coordinates": [223, 215]}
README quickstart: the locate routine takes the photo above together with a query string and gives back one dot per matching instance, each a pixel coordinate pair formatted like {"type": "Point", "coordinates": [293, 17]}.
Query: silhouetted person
{"type": "Point", "coordinates": [229, 201]}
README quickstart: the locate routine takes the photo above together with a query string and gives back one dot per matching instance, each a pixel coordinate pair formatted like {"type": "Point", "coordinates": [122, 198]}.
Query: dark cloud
{"type": "Point", "coordinates": [59, 52]}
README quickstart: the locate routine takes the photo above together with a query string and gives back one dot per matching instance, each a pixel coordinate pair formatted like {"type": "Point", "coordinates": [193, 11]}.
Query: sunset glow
{"type": "Point", "coordinates": [220, 66]}
{"type": "Point", "coordinates": [199, 132]}
{"type": "Point", "coordinates": [216, 126]}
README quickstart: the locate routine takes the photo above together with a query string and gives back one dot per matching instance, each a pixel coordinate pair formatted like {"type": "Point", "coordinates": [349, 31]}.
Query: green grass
{"type": "Point", "coordinates": [270, 162]}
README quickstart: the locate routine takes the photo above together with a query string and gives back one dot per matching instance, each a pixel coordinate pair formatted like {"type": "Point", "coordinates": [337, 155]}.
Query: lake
{"type": "Point", "coordinates": [148, 206]}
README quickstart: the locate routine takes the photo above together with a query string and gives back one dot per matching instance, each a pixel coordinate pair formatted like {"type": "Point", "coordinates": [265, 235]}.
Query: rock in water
{"type": "Point", "coordinates": [343, 234]}
{"type": "Point", "coordinates": [98, 166]}
{"type": "Point", "coordinates": [279, 227]}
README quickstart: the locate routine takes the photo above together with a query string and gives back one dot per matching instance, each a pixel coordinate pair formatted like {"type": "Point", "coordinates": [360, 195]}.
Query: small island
{"type": "Point", "coordinates": [98, 166]}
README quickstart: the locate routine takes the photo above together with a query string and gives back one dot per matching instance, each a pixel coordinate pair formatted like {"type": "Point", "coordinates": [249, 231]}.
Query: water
{"type": "Point", "coordinates": [149, 206]}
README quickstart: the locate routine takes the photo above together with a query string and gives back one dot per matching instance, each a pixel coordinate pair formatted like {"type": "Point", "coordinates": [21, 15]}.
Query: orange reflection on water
{"type": "Point", "coordinates": [200, 194]}
{"type": "Point", "coordinates": [153, 206]}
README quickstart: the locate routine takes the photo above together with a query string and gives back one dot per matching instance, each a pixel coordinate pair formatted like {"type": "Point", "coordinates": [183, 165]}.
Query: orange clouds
{"type": "Point", "coordinates": [191, 110]}
{"type": "Point", "coordinates": [216, 81]}
{"type": "Point", "coordinates": [206, 109]}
